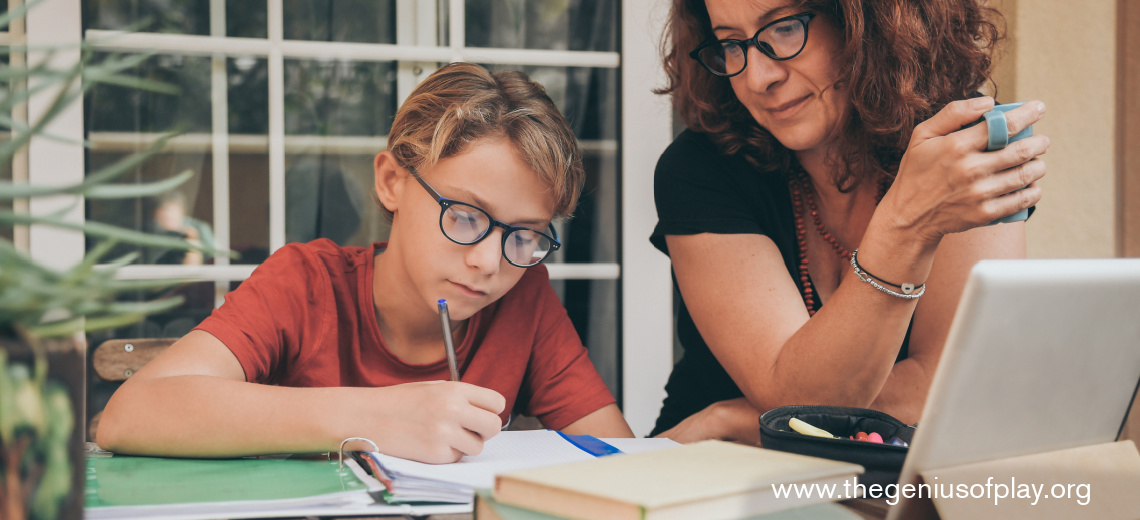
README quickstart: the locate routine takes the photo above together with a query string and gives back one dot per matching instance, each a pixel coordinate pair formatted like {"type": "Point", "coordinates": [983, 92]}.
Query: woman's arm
{"type": "Point", "coordinates": [906, 386]}
{"type": "Point", "coordinates": [193, 401]}
{"type": "Point", "coordinates": [750, 312]}
{"type": "Point", "coordinates": [905, 390]}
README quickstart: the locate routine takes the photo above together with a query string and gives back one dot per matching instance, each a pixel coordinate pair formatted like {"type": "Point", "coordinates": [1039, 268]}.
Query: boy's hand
{"type": "Point", "coordinates": [433, 421]}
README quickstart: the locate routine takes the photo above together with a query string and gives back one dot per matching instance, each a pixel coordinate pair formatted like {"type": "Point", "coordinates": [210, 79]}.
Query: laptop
{"type": "Point", "coordinates": [1042, 355]}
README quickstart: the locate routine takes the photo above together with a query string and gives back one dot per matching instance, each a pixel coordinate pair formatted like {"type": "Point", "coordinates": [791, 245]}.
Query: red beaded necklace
{"type": "Point", "coordinates": [803, 194]}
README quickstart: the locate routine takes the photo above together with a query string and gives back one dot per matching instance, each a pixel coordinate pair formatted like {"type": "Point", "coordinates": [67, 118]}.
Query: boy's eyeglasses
{"type": "Point", "coordinates": [780, 40]}
{"type": "Point", "coordinates": [465, 224]}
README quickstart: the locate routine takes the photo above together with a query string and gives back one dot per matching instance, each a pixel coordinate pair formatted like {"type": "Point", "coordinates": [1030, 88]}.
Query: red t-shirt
{"type": "Point", "coordinates": [305, 318]}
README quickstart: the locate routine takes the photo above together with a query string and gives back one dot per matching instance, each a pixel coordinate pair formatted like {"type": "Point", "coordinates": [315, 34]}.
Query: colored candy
{"type": "Point", "coordinates": [862, 436]}
{"type": "Point", "coordinates": [807, 429]}
{"type": "Point", "coordinates": [875, 438]}
{"type": "Point", "coordinates": [895, 441]}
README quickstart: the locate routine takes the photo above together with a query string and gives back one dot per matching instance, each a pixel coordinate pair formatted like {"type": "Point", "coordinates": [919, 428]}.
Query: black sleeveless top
{"type": "Point", "coordinates": [699, 190]}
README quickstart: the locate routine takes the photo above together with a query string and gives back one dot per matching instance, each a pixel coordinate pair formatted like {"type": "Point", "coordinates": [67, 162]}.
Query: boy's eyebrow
{"type": "Point", "coordinates": [486, 206]}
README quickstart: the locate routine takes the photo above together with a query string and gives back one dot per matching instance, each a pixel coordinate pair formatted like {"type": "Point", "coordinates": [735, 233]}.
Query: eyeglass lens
{"type": "Point", "coordinates": [467, 225]}
{"type": "Point", "coordinates": [779, 41]}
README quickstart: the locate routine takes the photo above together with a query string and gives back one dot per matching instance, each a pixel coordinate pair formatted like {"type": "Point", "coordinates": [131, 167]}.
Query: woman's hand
{"type": "Point", "coordinates": [732, 420]}
{"type": "Point", "coordinates": [947, 183]}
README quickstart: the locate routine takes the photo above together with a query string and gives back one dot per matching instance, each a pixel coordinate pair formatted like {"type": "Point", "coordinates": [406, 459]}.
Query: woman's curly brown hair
{"type": "Point", "coordinates": [906, 60]}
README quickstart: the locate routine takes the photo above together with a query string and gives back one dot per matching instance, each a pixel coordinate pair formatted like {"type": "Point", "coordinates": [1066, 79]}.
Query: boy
{"type": "Point", "coordinates": [322, 342]}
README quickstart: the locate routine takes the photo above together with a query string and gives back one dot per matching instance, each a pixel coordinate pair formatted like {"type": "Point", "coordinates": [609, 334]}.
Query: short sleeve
{"type": "Point", "coordinates": [561, 384]}
{"type": "Point", "coordinates": [273, 321]}
{"type": "Point", "coordinates": [699, 190]}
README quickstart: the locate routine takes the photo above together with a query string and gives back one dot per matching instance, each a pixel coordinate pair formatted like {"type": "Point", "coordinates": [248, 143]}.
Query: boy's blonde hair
{"type": "Point", "coordinates": [462, 102]}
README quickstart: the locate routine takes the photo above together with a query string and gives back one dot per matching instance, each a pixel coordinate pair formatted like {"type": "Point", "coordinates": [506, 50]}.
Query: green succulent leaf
{"type": "Point", "coordinates": [42, 301]}
{"type": "Point", "coordinates": [123, 191]}
{"type": "Point", "coordinates": [99, 229]}
{"type": "Point", "coordinates": [96, 182]}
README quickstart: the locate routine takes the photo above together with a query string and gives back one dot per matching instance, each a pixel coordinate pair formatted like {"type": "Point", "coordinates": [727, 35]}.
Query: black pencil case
{"type": "Point", "coordinates": [882, 462]}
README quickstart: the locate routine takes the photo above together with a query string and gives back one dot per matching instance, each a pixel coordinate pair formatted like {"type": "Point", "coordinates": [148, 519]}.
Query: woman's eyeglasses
{"type": "Point", "coordinates": [780, 40]}
{"type": "Point", "coordinates": [465, 224]}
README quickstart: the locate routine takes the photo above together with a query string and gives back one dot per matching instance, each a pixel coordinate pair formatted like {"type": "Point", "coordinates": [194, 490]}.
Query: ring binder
{"type": "Point", "coordinates": [340, 452]}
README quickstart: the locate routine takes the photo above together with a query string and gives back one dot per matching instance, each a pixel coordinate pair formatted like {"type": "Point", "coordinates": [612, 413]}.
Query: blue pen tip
{"type": "Point", "coordinates": [442, 304]}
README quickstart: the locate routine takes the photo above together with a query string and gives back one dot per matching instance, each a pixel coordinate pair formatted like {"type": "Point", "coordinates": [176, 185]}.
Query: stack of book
{"type": "Point", "coordinates": [708, 480]}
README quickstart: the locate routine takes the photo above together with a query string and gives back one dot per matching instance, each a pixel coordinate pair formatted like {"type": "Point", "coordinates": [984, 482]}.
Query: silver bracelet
{"type": "Point", "coordinates": [913, 293]}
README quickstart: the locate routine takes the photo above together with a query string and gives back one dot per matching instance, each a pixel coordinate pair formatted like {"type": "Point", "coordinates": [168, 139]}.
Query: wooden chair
{"type": "Point", "coordinates": [115, 360]}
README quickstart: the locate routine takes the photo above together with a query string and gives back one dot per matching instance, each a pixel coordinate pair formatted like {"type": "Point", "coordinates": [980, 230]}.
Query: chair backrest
{"type": "Point", "coordinates": [115, 360]}
{"type": "Point", "coordinates": [118, 359]}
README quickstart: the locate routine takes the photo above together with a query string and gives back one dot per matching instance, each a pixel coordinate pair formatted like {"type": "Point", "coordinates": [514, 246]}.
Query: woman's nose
{"type": "Point", "coordinates": [762, 72]}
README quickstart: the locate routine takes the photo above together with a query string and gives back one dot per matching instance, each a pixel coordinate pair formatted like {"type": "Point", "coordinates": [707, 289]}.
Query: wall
{"type": "Point", "coordinates": [1064, 53]}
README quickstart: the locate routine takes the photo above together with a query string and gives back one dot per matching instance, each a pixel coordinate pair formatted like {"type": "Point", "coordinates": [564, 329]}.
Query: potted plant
{"type": "Point", "coordinates": [44, 312]}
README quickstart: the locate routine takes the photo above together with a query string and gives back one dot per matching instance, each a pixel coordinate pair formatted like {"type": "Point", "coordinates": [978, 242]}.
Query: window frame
{"type": "Point", "coordinates": [645, 296]}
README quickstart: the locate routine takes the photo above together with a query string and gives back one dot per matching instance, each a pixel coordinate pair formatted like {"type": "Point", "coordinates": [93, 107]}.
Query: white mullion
{"type": "Point", "coordinates": [276, 126]}
{"type": "Point", "coordinates": [16, 36]}
{"type": "Point", "coordinates": [219, 126]}
{"type": "Point", "coordinates": [222, 274]}
{"type": "Point", "coordinates": [647, 301]}
{"type": "Point", "coordinates": [406, 30]}
{"type": "Point", "coordinates": [540, 57]}
{"type": "Point", "coordinates": [591, 271]}
{"type": "Point", "coordinates": [258, 143]}
{"type": "Point", "coordinates": [52, 163]}
{"type": "Point", "coordinates": [416, 49]}
{"type": "Point", "coordinates": [457, 29]}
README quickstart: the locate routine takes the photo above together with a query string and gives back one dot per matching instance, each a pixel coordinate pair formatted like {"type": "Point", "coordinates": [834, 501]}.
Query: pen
{"type": "Point", "coordinates": [445, 320]}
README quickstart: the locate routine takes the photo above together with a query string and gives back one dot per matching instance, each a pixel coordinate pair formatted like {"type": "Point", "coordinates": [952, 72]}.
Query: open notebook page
{"type": "Point", "coordinates": [509, 451]}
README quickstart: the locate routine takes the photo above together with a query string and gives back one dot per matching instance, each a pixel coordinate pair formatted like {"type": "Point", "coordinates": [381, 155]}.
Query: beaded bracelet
{"type": "Point", "coordinates": [909, 290]}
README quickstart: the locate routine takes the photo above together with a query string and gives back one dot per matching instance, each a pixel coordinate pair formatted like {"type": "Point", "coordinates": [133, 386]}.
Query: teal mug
{"type": "Point", "coordinates": [999, 138]}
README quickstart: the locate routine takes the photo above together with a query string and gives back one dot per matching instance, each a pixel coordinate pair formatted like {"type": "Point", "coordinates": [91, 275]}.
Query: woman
{"type": "Point", "coordinates": [825, 134]}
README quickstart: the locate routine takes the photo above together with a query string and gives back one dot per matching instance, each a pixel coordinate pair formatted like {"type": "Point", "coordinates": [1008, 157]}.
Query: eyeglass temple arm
{"type": "Point", "coordinates": [431, 191]}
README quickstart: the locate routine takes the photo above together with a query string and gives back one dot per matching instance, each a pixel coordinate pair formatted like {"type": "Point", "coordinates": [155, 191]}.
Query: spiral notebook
{"type": "Point", "coordinates": [408, 481]}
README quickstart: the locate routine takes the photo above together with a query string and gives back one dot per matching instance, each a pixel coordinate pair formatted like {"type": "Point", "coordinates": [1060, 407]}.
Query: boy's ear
{"type": "Point", "coordinates": [388, 181]}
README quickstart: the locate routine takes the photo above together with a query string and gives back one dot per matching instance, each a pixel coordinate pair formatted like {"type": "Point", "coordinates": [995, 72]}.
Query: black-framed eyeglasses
{"type": "Point", "coordinates": [780, 40]}
{"type": "Point", "coordinates": [466, 224]}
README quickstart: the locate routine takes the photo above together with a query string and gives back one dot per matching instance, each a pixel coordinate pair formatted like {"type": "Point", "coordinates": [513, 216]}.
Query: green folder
{"type": "Point", "coordinates": [143, 481]}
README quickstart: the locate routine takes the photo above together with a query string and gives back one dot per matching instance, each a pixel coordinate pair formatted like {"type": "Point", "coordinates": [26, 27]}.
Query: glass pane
{"type": "Point", "coordinates": [339, 98]}
{"type": "Point", "coordinates": [247, 19]}
{"type": "Point", "coordinates": [328, 196]}
{"type": "Point", "coordinates": [249, 206]}
{"type": "Point", "coordinates": [186, 211]}
{"type": "Point", "coordinates": [576, 25]}
{"type": "Point", "coordinates": [199, 303]}
{"type": "Point", "coordinates": [588, 98]}
{"type": "Point", "coordinates": [163, 16]}
{"type": "Point", "coordinates": [121, 121]}
{"type": "Point", "coordinates": [593, 308]}
{"type": "Point", "coordinates": [248, 96]}
{"type": "Point", "coordinates": [337, 116]}
{"type": "Point", "coordinates": [112, 108]}
{"type": "Point", "coordinates": [359, 21]}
